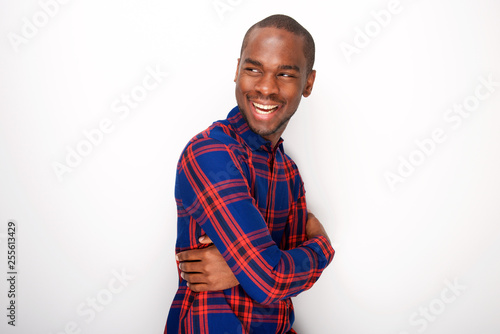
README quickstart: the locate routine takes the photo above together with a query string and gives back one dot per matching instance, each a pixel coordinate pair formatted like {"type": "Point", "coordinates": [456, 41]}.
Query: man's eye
{"type": "Point", "coordinates": [251, 69]}
{"type": "Point", "coordinates": [286, 75]}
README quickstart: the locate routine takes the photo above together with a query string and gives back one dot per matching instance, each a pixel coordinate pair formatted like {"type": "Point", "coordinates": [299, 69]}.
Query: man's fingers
{"type": "Point", "coordinates": [205, 239]}
{"type": "Point", "coordinates": [191, 267]}
{"type": "Point", "coordinates": [189, 255]}
{"type": "Point", "coordinates": [205, 269]}
{"type": "Point", "coordinates": [193, 278]}
{"type": "Point", "coordinates": [198, 287]}
{"type": "Point", "coordinates": [194, 254]}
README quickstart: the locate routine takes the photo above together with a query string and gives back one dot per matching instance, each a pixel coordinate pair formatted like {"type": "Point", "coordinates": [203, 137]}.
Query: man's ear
{"type": "Point", "coordinates": [237, 70]}
{"type": "Point", "coordinates": [309, 83]}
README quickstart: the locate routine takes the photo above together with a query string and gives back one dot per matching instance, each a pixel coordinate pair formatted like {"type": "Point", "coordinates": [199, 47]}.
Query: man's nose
{"type": "Point", "coordinates": [267, 85]}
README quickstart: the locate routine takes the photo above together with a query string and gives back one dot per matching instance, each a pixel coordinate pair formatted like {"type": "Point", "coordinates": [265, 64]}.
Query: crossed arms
{"type": "Point", "coordinates": [243, 252]}
{"type": "Point", "coordinates": [206, 270]}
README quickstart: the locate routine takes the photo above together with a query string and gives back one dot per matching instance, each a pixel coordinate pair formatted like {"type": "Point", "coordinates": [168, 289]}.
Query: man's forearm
{"type": "Point", "coordinates": [314, 227]}
{"type": "Point", "coordinates": [206, 270]}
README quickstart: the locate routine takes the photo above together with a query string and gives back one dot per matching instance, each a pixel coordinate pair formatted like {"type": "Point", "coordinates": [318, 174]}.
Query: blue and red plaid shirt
{"type": "Point", "coordinates": [249, 198]}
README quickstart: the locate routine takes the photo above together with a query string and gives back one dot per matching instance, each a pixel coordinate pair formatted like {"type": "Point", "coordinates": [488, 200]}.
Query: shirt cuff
{"type": "Point", "coordinates": [323, 248]}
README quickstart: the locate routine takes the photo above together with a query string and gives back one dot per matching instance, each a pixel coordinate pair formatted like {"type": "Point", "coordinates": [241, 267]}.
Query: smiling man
{"type": "Point", "coordinates": [246, 243]}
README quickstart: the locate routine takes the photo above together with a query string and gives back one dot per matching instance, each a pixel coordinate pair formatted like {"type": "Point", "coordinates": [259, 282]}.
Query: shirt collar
{"type": "Point", "coordinates": [253, 140]}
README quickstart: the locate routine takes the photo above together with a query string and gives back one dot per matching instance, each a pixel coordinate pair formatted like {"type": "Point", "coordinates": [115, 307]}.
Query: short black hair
{"type": "Point", "coordinates": [289, 24]}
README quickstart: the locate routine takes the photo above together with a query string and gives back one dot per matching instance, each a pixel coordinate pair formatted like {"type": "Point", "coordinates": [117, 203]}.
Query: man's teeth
{"type": "Point", "coordinates": [265, 106]}
{"type": "Point", "coordinates": [265, 109]}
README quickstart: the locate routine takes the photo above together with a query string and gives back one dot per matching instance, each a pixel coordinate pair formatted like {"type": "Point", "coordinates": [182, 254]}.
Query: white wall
{"type": "Point", "coordinates": [399, 248]}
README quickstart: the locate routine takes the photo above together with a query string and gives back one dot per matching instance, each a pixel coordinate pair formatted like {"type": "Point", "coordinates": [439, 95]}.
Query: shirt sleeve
{"type": "Point", "coordinates": [215, 193]}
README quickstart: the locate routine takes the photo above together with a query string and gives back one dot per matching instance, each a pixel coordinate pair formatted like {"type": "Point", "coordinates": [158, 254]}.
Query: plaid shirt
{"type": "Point", "coordinates": [249, 198]}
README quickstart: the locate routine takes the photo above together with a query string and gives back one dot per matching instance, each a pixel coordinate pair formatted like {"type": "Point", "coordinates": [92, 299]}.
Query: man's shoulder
{"type": "Point", "coordinates": [220, 134]}
{"type": "Point", "coordinates": [290, 162]}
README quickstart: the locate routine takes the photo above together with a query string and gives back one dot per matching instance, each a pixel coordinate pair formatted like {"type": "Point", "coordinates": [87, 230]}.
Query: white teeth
{"type": "Point", "coordinates": [270, 108]}
{"type": "Point", "coordinates": [264, 106]}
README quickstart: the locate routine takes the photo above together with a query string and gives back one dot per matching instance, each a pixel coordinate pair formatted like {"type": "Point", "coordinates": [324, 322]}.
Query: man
{"type": "Point", "coordinates": [237, 189]}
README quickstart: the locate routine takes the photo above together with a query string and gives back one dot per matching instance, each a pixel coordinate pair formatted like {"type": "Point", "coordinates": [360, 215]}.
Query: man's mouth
{"type": "Point", "coordinates": [265, 109]}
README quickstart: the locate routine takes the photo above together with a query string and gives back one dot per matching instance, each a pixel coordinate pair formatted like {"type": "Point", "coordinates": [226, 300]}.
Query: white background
{"type": "Point", "coordinates": [115, 211]}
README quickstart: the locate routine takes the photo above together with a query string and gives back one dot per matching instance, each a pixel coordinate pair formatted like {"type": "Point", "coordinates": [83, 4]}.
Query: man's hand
{"type": "Point", "coordinates": [314, 228]}
{"type": "Point", "coordinates": [205, 269]}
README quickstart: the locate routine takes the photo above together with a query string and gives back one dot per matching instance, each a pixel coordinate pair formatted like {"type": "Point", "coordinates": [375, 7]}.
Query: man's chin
{"type": "Point", "coordinates": [262, 132]}
{"type": "Point", "coordinates": [261, 129]}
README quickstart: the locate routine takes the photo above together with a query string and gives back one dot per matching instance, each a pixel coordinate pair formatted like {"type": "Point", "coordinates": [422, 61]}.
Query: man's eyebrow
{"type": "Point", "coordinates": [281, 67]}
{"type": "Point", "coordinates": [253, 62]}
{"type": "Point", "coordinates": [289, 67]}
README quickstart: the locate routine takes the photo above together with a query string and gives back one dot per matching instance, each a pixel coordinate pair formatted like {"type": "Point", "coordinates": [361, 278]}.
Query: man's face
{"type": "Point", "coordinates": [271, 78]}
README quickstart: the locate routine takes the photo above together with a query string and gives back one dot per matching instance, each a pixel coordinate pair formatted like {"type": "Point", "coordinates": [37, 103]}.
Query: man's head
{"type": "Point", "coordinates": [289, 24]}
{"type": "Point", "coordinates": [274, 72]}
